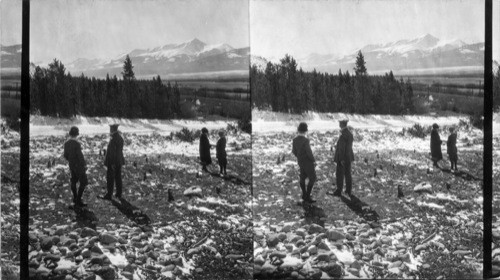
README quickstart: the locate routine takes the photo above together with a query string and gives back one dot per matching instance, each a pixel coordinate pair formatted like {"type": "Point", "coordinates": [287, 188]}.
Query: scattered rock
{"type": "Point", "coordinates": [46, 243]}
{"type": "Point", "coordinates": [107, 238]}
{"type": "Point", "coordinates": [334, 235]}
{"type": "Point", "coordinates": [272, 240]}
{"type": "Point", "coordinates": [314, 228]}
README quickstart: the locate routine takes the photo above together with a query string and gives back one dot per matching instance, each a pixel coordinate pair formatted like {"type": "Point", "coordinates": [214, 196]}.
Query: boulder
{"type": "Point", "coordinates": [334, 235]}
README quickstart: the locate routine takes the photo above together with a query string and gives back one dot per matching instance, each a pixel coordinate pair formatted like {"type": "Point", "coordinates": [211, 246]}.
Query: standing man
{"type": "Point", "coordinates": [77, 166]}
{"type": "Point", "coordinates": [205, 146]}
{"type": "Point", "coordinates": [221, 153]}
{"type": "Point", "coordinates": [114, 161]}
{"type": "Point", "coordinates": [436, 142]}
{"type": "Point", "coordinates": [451, 146]}
{"type": "Point", "coordinates": [302, 150]}
{"type": "Point", "coordinates": [343, 157]}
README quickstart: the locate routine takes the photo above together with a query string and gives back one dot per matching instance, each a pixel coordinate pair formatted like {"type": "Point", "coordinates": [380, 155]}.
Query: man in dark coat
{"type": "Point", "coordinates": [302, 150]}
{"type": "Point", "coordinates": [205, 149]}
{"type": "Point", "coordinates": [451, 148]}
{"type": "Point", "coordinates": [436, 142]}
{"type": "Point", "coordinates": [343, 157]}
{"type": "Point", "coordinates": [114, 161]}
{"type": "Point", "coordinates": [221, 153]}
{"type": "Point", "coordinates": [77, 165]}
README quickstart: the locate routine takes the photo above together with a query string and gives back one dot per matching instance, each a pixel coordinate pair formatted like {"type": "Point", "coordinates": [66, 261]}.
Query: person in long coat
{"type": "Point", "coordinates": [221, 153]}
{"type": "Point", "coordinates": [114, 161]}
{"type": "Point", "coordinates": [301, 148]}
{"type": "Point", "coordinates": [77, 165]}
{"type": "Point", "coordinates": [436, 142]}
{"type": "Point", "coordinates": [205, 146]}
{"type": "Point", "coordinates": [451, 148]}
{"type": "Point", "coordinates": [343, 157]}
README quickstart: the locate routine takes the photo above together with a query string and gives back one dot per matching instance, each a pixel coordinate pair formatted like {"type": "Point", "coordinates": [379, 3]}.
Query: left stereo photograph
{"type": "Point", "coordinates": [140, 147]}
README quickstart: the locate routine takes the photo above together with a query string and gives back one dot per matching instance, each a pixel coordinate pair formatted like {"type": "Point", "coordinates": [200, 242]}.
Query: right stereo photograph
{"type": "Point", "coordinates": [367, 139]}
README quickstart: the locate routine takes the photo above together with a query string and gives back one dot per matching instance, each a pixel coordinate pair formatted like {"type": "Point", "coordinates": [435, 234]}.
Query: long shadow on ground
{"type": "Point", "coordinates": [132, 212]}
{"type": "Point", "coordinates": [462, 174]}
{"type": "Point", "coordinates": [361, 208]}
{"type": "Point", "coordinates": [314, 214]}
{"type": "Point", "coordinates": [85, 217]}
{"type": "Point", "coordinates": [235, 180]}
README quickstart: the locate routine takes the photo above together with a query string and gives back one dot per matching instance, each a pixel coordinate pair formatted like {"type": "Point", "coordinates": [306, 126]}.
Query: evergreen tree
{"type": "Point", "coordinates": [360, 66]}
{"type": "Point", "coordinates": [128, 72]}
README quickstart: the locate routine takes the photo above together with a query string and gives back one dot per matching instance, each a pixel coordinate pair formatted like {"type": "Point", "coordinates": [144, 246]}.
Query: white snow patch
{"type": "Point", "coordinates": [291, 261]}
{"type": "Point", "coordinates": [430, 205]}
{"type": "Point", "coordinates": [345, 257]}
{"type": "Point", "coordinates": [449, 197]}
{"type": "Point", "coordinates": [232, 55]}
{"type": "Point", "coordinates": [201, 209]}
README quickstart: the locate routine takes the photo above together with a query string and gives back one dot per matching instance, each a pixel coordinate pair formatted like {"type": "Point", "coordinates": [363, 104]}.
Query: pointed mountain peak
{"type": "Point", "coordinates": [428, 37]}
{"type": "Point", "coordinates": [196, 41]}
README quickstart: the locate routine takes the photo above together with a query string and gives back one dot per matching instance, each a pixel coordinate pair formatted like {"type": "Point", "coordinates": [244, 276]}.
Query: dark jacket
{"type": "Point", "coordinates": [73, 153]}
{"type": "Point", "coordinates": [114, 154]}
{"type": "Point", "coordinates": [343, 149]}
{"type": "Point", "coordinates": [205, 149]}
{"type": "Point", "coordinates": [451, 146]}
{"type": "Point", "coordinates": [436, 145]}
{"type": "Point", "coordinates": [302, 150]}
{"type": "Point", "coordinates": [221, 148]}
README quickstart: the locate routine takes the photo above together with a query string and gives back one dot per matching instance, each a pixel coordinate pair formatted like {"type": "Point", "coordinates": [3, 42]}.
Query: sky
{"type": "Point", "coordinates": [496, 30]}
{"type": "Point", "coordinates": [10, 22]}
{"type": "Point", "coordinates": [71, 29]}
{"type": "Point", "coordinates": [302, 27]}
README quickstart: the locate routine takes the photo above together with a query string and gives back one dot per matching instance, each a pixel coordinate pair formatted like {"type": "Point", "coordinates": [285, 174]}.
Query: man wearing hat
{"type": "Point", "coordinates": [77, 165]}
{"type": "Point", "coordinates": [343, 158]}
{"type": "Point", "coordinates": [114, 161]}
{"type": "Point", "coordinates": [436, 142]}
{"type": "Point", "coordinates": [302, 150]}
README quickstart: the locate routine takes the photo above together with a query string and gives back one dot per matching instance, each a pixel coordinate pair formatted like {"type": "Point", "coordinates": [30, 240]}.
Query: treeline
{"type": "Point", "coordinates": [285, 88]}
{"type": "Point", "coordinates": [54, 92]}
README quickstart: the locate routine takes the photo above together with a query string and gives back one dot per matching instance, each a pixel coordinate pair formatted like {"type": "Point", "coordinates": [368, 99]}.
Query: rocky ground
{"type": "Point", "coordinates": [434, 231]}
{"type": "Point", "coordinates": [496, 207]}
{"type": "Point", "coordinates": [173, 222]}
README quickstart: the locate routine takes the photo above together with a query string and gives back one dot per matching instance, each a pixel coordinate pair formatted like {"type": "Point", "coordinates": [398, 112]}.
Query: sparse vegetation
{"type": "Point", "coordinates": [418, 131]}
{"type": "Point", "coordinates": [187, 135]}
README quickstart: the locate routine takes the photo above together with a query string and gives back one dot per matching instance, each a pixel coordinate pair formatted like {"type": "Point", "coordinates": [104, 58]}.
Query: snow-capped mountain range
{"type": "Point", "coordinates": [11, 57]}
{"type": "Point", "coordinates": [425, 54]}
{"type": "Point", "coordinates": [190, 57]}
{"type": "Point", "coordinates": [185, 58]}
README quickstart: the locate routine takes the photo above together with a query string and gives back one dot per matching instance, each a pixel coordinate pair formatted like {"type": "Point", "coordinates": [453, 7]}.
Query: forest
{"type": "Point", "coordinates": [284, 87]}
{"type": "Point", "coordinates": [54, 92]}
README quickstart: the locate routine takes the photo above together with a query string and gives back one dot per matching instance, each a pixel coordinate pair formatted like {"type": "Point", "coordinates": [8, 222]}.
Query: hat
{"type": "Point", "coordinates": [74, 131]}
{"type": "Point", "coordinates": [204, 130]}
{"type": "Point", "coordinates": [435, 125]}
{"type": "Point", "coordinates": [343, 122]}
{"type": "Point", "coordinates": [302, 127]}
{"type": "Point", "coordinates": [113, 127]}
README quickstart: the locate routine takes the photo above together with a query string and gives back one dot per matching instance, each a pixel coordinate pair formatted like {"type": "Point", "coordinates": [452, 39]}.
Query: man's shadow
{"type": "Point", "coordinates": [85, 217]}
{"type": "Point", "coordinates": [235, 180]}
{"type": "Point", "coordinates": [314, 214]}
{"type": "Point", "coordinates": [462, 174]}
{"type": "Point", "coordinates": [360, 208]}
{"type": "Point", "coordinates": [132, 212]}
